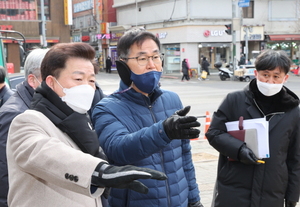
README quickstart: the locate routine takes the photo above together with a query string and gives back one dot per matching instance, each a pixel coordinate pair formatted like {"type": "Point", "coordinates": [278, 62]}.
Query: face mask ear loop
{"type": "Point", "coordinates": [58, 83]}
{"type": "Point", "coordinates": [37, 79]}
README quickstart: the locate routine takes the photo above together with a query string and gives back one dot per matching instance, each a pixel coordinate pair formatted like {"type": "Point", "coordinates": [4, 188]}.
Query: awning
{"type": "Point", "coordinates": [33, 41]}
{"type": "Point", "coordinates": [285, 37]}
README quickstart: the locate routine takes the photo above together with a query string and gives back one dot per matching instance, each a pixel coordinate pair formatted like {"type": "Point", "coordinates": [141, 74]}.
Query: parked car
{"type": "Point", "coordinates": [15, 80]}
{"type": "Point", "coordinates": [245, 73]}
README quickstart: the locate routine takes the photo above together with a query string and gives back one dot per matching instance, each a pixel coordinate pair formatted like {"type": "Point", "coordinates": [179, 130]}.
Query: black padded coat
{"type": "Point", "coordinates": [264, 185]}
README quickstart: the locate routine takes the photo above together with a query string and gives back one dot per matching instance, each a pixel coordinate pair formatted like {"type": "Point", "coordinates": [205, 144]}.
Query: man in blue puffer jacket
{"type": "Point", "coordinates": [145, 126]}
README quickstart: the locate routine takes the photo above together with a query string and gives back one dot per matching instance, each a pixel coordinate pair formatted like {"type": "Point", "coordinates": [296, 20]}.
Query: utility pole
{"type": "Point", "coordinates": [236, 33]}
{"type": "Point", "coordinates": [43, 25]}
{"type": "Point", "coordinates": [136, 13]}
{"type": "Point", "coordinates": [246, 42]}
{"type": "Point", "coordinates": [233, 52]}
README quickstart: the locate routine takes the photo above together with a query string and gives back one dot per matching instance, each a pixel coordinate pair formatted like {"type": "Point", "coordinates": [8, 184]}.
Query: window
{"type": "Point", "coordinates": [248, 12]}
{"type": "Point", "coordinates": [46, 9]}
{"type": "Point", "coordinates": [22, 10]}
{"type": "Point", "coordinates": [286, 10]}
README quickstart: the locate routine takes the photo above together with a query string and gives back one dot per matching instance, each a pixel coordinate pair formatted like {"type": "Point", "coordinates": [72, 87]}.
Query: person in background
{"type": "Point", "coordinates": [108, 64]}
{"type": "Point", "coordinates": [53, 152]}
{"type": "Point", "coordinates": [146, 126]}
{"type": "Point", "coordinates": [5, 91]}
{"type": "Point", "coordinates": [249, 62]}
{"type": "Point", "coordinates": [246, 182]}
{"type": "Point", "coordinates": [205, 67]}
{"type": "Point", "coordinates": [17, 104]}
{"type": "Point", "coordinates": [185, 70]}
{"type": "Point", "coordinates": [242, 60]}
{"type": "Point", "coordinates": [205, 64]}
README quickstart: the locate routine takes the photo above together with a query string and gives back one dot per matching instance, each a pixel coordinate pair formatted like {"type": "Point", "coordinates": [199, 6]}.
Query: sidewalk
{"type": "Point", "coordinates": [178, 75]}
{"type": "Point", "coordinates": [205, 159]}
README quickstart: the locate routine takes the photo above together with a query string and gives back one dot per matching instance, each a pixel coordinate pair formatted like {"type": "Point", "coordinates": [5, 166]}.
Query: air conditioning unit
{"type": "Point", "coordinates": [92, 28]}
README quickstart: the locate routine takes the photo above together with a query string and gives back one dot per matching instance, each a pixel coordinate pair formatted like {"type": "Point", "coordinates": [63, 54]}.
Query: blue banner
{"type": "Point", "coordinates": [243, 3]}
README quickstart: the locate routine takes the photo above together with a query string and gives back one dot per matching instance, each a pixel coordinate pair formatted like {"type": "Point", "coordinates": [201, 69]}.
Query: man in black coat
{"type": "Point", "coordinates": [108, 64]}
{"type": "Point", "coordinates": [15, 105]}
{"type": "Point", "coordinates": [246, 182]}
{"type": "Point", "coordinates": [205, 64]}
{"type": "Point", "coordinates": [242, 60]}
{"type": "Point", "coordinates": [5, 91]}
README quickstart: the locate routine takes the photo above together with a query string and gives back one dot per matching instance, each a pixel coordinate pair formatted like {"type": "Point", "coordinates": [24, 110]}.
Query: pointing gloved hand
{"type": "Point", "coordinates": [246, 156]}
{"type": "Point", "coordinates": [184, 111]}
{"type": "Point", "coordinates": [122, 177]}
{"type": "Point", "coordinates": [290, 203]}
{"type": "Point", "coordinates": [180, 126]}
{"type": "Point", "coordinates": [196, 204]}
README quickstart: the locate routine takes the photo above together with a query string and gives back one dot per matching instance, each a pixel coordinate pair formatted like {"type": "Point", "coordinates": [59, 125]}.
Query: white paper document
{"type": "Point", "coordinates": [262, 127]}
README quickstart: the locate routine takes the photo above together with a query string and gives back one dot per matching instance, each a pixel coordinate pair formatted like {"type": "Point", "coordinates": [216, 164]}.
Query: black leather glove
{"type": "Point", "coordinates": [196, 204]}
{"type": "Point", "coordinates": [180, 127]}
{"type": "Point", "coordinates": [122, 177]}
{"type": "Point", "coordinates": [290, 203]}
{"type": "Point", "coordinates": [246, 156]}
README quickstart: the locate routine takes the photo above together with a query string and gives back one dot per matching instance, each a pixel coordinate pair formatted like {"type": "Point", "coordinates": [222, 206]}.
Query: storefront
{"type": "Point", "coordinates": [255, 41]}
{"type": "Point", "coordinates": [192, 42]}
{"type": "Point", "coordinates": [290, 43]}
{"type": "Point", "coordinates": [172, 57]}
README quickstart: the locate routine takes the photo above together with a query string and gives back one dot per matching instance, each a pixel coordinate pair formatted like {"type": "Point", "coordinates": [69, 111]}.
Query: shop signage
{"type": "Point", "coordinates": [116, 36]}
{"type": "Point", "coordinates": [254, 37]}
{"type": "Point", "coordinates": [82, 6]}
{"type": "Point", "coordinates": [244, 3]}
{"type": "Point", "coordinates": [104, 27]}
{"type": "Point", "coordinates": [213, 33]}
{"type": "Point", "coordinates": [68, 12]}
{"type": "Point", "coordinates": [76, 38]}
{"type": "Point", "coordinates": [85, 38]}
{"type": "Point", "coordinates": [6, 27]}
{"type": "Point", "coordinates": [103, 36]}
{"type": "Point", "coordinates": [93, 38]}
{"type": "Point", "coordinates": [161, 35]}
{"type": "Point", "coordinates": [254, 33]}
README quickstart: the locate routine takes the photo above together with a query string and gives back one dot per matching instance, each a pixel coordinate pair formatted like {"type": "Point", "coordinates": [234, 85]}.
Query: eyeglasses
{"type": "Point", "coordinates": [143, 60]}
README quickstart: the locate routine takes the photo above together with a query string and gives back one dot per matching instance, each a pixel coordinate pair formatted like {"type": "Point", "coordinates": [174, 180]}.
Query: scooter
{"type": "Point", "coordinates": [224, 73]}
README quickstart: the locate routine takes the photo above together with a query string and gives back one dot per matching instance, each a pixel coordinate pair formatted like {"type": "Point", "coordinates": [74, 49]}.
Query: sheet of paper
{"type": "Point", "coordinates": [262, 127]}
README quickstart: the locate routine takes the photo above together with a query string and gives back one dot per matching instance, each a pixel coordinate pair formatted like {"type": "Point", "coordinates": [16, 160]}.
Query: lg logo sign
{"type": "Point", "coordinates": [213, 33]}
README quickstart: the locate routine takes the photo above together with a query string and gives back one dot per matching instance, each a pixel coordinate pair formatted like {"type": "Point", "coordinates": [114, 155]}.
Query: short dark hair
{"type": "Point", "coordinates": [270, 59]}
{"type": "Point", "coordinates": [2, 74]}
{"type": "Point", "coordinates": [55, 59]}
{"type": "Point", "coordinates": [138, 36]}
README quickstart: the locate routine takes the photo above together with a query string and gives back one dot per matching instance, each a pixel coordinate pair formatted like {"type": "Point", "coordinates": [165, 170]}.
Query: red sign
{"type": "Point", "coordinates": [206, 33]}
{"type": "Point", "coordinates": [6, 27]}
{"type": "Point", "coordinates": [85, 38]}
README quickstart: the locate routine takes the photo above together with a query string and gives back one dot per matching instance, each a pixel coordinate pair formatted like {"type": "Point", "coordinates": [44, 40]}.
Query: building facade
{"type": "Point", "coordinates": [24, 16]}
{"type": "Point", "coordinates": [91, 19]}
{"type": "Point", "coordinates": [193, 29]}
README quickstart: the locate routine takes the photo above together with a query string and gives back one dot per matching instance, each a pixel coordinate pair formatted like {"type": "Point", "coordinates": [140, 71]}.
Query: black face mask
{"type": "Point", "coordinates": [124, 72]}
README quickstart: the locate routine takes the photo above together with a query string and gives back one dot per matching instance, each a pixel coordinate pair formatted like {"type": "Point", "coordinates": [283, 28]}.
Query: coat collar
{"type": "Point", "coordinates": [137, 97]}
{"type": "Point", "coordinates": [286, 101]}
{"type": "Point", "coordinates": [25, 92]}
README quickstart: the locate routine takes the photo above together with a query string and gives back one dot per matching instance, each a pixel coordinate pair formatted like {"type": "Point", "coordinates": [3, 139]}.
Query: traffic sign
{"type": "Point", "coordinates": [244, 3]}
